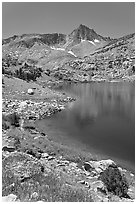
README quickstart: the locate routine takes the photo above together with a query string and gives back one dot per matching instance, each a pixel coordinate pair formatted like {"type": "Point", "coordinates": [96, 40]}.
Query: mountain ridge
{"type": "Point", "coordinates": [81, 33]}
{"type": "Point", "coordinates": [80, 42]}
{"type": "Point", "coordinates": [82, 30]}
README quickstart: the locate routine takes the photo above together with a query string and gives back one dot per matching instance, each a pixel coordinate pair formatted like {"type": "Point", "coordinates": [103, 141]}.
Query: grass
{"type": "Point", "coordinates": [25, 142]}
{"type": "Point", "coordinates": [12, 118]}
{"type": "Point", "coordinates": [49, 188]}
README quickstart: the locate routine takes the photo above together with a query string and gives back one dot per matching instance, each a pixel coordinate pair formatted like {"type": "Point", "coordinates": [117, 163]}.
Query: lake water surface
{"type": "Point", "coordinates": [101, 119]}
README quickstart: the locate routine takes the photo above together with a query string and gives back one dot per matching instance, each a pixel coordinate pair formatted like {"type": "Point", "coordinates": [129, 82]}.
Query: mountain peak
{"type": "Point", "coordinates": [84, 33]}
{"type": "Point", "coordinates": [83, 26]}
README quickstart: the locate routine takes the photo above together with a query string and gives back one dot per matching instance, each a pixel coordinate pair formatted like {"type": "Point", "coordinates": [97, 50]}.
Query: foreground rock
{"type": "Point", "coordinates": [30, 91]}
{"type": "Point", "coordinates": [9, 198]}
{"type": "Point", "coordinates": [98, 166]}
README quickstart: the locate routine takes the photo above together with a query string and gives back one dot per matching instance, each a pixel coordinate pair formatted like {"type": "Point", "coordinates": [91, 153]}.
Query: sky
{"type": "Point", "coordinates": [113, 19]}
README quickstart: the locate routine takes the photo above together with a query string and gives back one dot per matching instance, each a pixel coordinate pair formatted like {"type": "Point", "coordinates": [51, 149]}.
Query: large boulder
{"type": "Point", "coordinates": [9, 198]}
{"type": "Point", "coordinates": [30, 91]}
{"type": "Point", "coordinates": [98, 166]}
{"type": "Point", "coordinates": [21, 166]}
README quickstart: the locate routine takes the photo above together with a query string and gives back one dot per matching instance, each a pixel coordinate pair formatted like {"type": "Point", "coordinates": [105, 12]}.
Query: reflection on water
{"type": "Point", "coordinates": [102, 118]}
{"type": "Point", "coordinates": [104, 98]}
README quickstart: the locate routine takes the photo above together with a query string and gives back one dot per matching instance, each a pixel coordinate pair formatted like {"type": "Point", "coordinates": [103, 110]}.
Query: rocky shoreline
{"type": "Point", "coordinates": [36, 169]}
{"type": "Point", "coordinates": [28, 109]}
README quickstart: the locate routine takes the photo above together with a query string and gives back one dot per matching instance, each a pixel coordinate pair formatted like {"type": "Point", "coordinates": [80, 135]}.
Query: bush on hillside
{"type": "Point", "coordinates": [5, 125]}
{"type": "Point", "coordinates": [114, 181]}
{"type": "Point", "coordinates": [29, 73]}
{"type": "Point", "coordinates": [13, 119]}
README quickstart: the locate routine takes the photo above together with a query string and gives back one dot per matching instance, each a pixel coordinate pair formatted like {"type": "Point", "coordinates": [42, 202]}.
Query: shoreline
{"type": "Point", "coordinates": [123, 163]}
{"type": "Point", "coordinates": [55, 85]}
{"type": "Point", "coordinates": [82, 147]}
{"type": "Point", "coordinates": [29, 144]}
{"type": "Point", "coordinates": [30, 112]}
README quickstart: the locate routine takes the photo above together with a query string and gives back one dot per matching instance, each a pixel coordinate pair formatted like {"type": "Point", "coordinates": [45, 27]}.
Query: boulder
{"type": "Point", "coordinates": [21, 165]}
{"type": "Point", "coordinates": [98, 166]}
{"type": "Point", "coordinates": [45, 155]}
{"type": "Point", "coordinates": [30, 91]}
{"type": "Point", "coordinates": [8, 148]}
{"type": "Point", "coordinates": [34, 195]}
{"type": "Point", "coordinates": [9, 198]}
{"type": "Point", "coordinates": [23, 104]}
{"type": "Point", "coordinates": [97, 185]}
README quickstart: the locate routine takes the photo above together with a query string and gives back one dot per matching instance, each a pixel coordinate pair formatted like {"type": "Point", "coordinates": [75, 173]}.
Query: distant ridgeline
{"type": "Point", "coordinates": [83, 55]}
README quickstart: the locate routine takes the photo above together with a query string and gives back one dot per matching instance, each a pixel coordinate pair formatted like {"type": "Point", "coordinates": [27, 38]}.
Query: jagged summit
{"type": "Point", "coordinates": [81, 33]}
{"type": "Point", "coordinates": [84, 28]}
{"type": "Point", "coordinates": [85, 33]}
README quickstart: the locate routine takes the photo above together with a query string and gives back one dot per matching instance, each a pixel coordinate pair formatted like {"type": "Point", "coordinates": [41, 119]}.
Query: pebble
{"type": "Point", "coordinates": [73, 165]}
{"type": "Point", "coordinates": [50, 158]}
{"type": "Point", "coordinates": [82, 182]}
{"type": "Point", "coordinates": [60, 165]}
{"type": "Point", "coordinates": [44, 155]}
{"type": "Point", "coordinates": [9, 149]}
{"type": "Point", "coordinates": [34, 195]}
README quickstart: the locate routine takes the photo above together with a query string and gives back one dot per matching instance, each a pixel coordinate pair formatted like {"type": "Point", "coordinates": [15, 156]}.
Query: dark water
{"type": "Point", "coordinates": [102, 118]}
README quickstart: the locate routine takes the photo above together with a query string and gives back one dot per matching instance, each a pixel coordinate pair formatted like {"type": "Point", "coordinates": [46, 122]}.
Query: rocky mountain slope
{"type": "Point", "coordinates": [114, 61]}
{"type": "Point", "coordinates": [57, 41]}
{"type": "Point", "coordinates": [83, 55]}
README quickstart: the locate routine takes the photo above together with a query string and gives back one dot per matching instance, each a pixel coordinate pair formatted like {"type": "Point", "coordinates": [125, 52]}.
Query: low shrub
{"type": "Point", "coordinates": [13, 119]}
{"type": "Point", "coordinates": [2, 81]}
{"type": "Point", "coordinates": [75, 194]}
{"type": "Point", "coordinates": [5, 125]}
{"type": "Point", "coordinates": [114, 181]}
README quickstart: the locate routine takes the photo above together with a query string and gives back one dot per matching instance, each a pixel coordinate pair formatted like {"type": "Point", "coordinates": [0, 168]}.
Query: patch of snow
{"type": "Point", "coordinates": [82, 40]}
{"type": "Point", "coordinates": [58, 48]}
{"type": "Point", "coordinates": [53, 48]}
{"type": "Point", "coordinates": [96, 40]}
{"type": "Point", "coordinates": [70, 52]}
{"type": "Point", "coordinates": [92, 42]}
